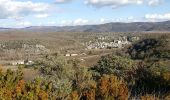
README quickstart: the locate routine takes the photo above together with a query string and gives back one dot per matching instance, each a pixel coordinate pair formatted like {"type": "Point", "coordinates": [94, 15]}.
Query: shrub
{"type": "Point", "coordinates": [151, 48]}
{"type": "Point", "coordinates": [111, 87]}
{"type": "Point", "coordinates": [116, 65]}
{"type": "Point", "coordinates": [148, 80]}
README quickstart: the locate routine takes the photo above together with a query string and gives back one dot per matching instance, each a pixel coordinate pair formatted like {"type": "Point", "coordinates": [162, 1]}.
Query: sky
{"type": "Point", "coordinates": [24, 13]}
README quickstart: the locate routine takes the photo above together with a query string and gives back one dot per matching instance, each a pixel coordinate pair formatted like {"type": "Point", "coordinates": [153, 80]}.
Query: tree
{"type": "Point", "coordinates": [151, 48]}
{"type": "Point", "coordinates": [112, 64]}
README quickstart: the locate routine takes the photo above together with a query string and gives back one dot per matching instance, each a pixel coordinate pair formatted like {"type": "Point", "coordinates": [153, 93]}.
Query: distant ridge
{"type": "Point", "coordinates": [4, 29]}
{"type": "Point", "coordinates": [108, 27]}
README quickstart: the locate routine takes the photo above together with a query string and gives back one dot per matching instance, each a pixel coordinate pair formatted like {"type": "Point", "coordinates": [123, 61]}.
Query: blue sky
{"type": "Point", "coordinates": [24, 13]}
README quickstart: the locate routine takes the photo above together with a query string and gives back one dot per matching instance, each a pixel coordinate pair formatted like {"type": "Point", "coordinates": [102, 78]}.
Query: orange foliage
{"type": "Point", "coordinates": [8, 93]}
{"type": "Point", "coordinates": [123, 92]}
{"type": "Point", "coordinates": [74, 95]}
{"type": "Point", "coordinates": [104, 85]}
{"type": "Point", "coordinates": [89, 94]}
{"type": "Point", "coordinates": [43, 95]}
{"type": "Point", "coordinates": [18, 90]}
{"type": "Point", "coordinates": [149, 97]}
{"type": "Point", "coordinates": [112, 87]}
{"type": "Point", "coordinates": [20, 86]}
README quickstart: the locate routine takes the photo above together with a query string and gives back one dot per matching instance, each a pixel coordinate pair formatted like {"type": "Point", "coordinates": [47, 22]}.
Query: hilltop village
{"type": "Point", "coordinates": [110, 42]}
{"type": "Point", "coordinates": [104, 43]}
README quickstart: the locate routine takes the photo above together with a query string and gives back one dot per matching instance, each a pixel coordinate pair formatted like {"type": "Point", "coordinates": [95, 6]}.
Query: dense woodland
{"type": "Point", "coordinates": [140, 71]}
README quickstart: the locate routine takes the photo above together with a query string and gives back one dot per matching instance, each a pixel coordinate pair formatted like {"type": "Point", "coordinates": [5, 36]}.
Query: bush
{"type": "Point", "coordinates": [152, 48]}
{"type": "Point", "coordinates": [149, 80]}
{"type": "Point", "coordinates": [111, 87]}
{"type": "Point", "coordinates": [116, 65]}
{"type": "Point", "coordinates": [13, 87]}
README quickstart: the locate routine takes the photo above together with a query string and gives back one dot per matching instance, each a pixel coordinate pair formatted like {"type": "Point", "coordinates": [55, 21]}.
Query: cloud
{"type": "Point", "coordinates": [119, 3]}
{"type": "Point", "coordinates": [157, 17]}
{"type": "Point", "coordinates": [154, 2]}
{"type": "Point", "coordinates": [19, 9]}
{"type": "Point", "coordinates": [112, 3]}
{"type": "Point", "coordinates": [80, 22]}
{"type": "Point", "coordinates": [75, 22]}
{"type": "Point", "coordinates": [62, 1]}
{"type": "Point", "coordinates": [24, 24]}
{"type": "Point", "coordinates": [41, 15]}
{"type": "Point", "coordinates": [102, 21]}
{"type": "Point", "coordinates": [52, 23]}
{"type": "Point", "coordinates": [65, 23]}
{"type": "Point", "coordinates": [130, 18]}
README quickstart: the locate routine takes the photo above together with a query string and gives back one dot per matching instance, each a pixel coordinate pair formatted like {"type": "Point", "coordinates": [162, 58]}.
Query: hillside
{"type": "Point", "coordinates": [108, 27]}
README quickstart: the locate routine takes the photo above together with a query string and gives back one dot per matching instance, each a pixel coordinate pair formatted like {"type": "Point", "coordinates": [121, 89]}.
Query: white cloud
{"type": "Point", "coordinates": [130, 18]}
{"type": "Point", "coordinates": [119, 3]}
{"type": "Point", "coordinates": [52, 23]}
{"type": "Point", "coordinates": [65, 23]}
{"type": "Point", "coordinates": [112, 3]}
{"type": "Point", "coordinates": [157, 17]}
{"type": "Point", "coordinates": [18, 9]}
{"type": "Point", "coordinates": [80, 22]}
{"type": "Point", "coordinates": [102, 20]}
{"type": "Point", "coordinates": [63, 1]}
{"type": "Point", "coordinates": [41, 15]}
{"type": "Point", "coordinates": [154, 2]}
{"type": "Point", "coordinates": [118, 20]}
{"type": "Point", "coordinates": [24, 24]}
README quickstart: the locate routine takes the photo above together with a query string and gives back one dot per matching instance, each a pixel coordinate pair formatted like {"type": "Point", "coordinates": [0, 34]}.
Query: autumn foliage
{"type": "Point", "coordinates": [111, 87]}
